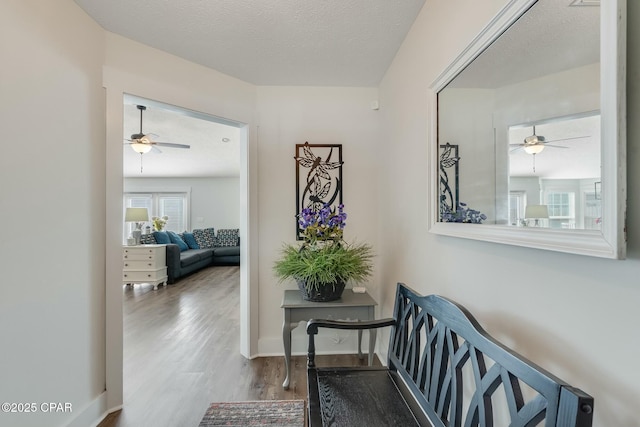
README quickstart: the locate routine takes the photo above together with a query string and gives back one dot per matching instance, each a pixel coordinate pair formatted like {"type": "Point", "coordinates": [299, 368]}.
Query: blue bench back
{"type": "Point", "coordinates": [464, 377]}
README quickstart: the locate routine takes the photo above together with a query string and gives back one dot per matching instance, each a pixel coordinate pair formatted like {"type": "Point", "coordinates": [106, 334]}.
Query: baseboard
{"type": "Point", "coordinates": [92, 414]}
{"type": "Point", "coordinates": [327, 342]}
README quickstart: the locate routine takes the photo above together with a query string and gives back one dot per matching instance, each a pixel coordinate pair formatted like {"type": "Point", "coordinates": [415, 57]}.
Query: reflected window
{"type": "Point", "coordinates": [561, 206]}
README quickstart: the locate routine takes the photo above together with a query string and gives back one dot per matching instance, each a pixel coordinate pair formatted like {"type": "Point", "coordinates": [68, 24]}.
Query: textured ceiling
{"type": "Point", "coordinates": [277, 42]}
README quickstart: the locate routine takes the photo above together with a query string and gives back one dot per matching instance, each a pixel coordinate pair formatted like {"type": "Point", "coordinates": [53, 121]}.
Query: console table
{"type": "Point", "coordinates": [351, 306]}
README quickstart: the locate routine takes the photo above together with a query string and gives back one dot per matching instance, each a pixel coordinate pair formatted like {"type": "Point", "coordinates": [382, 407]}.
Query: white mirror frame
{"type": "Point", "coordinates": [610, 242]}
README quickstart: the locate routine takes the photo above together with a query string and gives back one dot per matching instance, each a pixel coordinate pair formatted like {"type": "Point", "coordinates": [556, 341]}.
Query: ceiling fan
{"type": "Point", "coordinates": [142, 143]}
{"type": "Point", "coordinates": [534, 144]}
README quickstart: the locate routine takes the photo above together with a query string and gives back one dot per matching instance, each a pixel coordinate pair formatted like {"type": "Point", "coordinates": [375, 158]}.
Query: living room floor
{"type": "Point", "coordinates": [181, 353]}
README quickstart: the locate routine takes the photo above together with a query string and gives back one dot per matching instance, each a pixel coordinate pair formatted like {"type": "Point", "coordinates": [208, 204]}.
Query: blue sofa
{"type": "Point", "coordinates": [190, 252]}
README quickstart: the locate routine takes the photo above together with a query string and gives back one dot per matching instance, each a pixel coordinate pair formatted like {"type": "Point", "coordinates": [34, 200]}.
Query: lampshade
{"type": "Point", "coordinates": [536, 211]}
{"type": "Point", "coordinates": [136, 215]}
{"type": "Point", "coordinates": [533, 149]}
{"type": "Point", "coordinates": [141, 148]}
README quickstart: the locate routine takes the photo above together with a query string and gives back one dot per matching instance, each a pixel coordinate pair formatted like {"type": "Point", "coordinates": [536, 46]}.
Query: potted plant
{"type": "Point", "coordinates": [324, 262]}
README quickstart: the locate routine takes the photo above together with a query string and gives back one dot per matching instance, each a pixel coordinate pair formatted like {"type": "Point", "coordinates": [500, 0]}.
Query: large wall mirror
{"type": "Point", "coordinates": [527, 142]}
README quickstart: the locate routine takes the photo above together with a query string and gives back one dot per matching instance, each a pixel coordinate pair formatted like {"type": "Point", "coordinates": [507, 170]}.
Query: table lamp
{"type": "Point", "coordinates": [139, 216]}
{"type": "Point", "coordinates": [536, 212]}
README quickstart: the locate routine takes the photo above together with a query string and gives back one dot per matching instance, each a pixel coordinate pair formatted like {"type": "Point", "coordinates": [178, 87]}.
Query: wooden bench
{"type": "Point", "coordinates": [443, 369]}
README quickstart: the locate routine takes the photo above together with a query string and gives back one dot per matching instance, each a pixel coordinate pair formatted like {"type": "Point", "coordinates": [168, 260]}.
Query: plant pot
{"type": "Point", "coordinates": [325, 293]}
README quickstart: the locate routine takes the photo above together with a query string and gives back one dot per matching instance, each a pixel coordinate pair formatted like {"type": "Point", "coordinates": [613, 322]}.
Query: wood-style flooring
{"type": "Point", "coordinates": [181, 353]}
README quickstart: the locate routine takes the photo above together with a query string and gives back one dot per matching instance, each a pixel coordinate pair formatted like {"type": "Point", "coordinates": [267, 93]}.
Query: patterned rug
{"type": "Point", "coordinates": [281, 413]}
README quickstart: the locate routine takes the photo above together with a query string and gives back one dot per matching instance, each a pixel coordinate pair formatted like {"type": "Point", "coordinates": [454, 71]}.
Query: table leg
{"type": "Point", "coordinates": [286, 339]}
{"type": "Point", "coordinates": [360, 355]}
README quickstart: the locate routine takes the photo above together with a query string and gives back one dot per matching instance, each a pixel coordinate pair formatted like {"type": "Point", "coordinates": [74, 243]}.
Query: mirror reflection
{"type": "Point", "coordinates": [519, 128]}
{"type": "Point", "coordinates": [554, 174]}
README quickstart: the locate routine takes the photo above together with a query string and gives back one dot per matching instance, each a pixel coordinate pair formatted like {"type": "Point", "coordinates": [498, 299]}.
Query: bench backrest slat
{"type": "Point", "coordinates": [459, 373]}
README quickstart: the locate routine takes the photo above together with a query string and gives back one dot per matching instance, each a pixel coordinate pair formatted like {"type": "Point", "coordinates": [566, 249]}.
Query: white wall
{"type": "Point", "coordinates": [576, 316]}
{"type": "Point", "coordinates": [295, 115]}
{"type": "Point", "coordinates": [215, 202]}
{"type": "Point", "coordinates": [466, 120]}
{"type": "Point", "coordinates": [52, 303]}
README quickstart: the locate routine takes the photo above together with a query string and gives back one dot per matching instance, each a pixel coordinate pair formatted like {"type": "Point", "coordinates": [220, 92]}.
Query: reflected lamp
{"type": "Point", "coordinates": [536, 212]}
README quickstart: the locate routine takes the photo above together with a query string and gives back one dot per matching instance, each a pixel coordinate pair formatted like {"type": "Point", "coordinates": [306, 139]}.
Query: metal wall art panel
{"type": "Point", "coordinates": [318, 177]}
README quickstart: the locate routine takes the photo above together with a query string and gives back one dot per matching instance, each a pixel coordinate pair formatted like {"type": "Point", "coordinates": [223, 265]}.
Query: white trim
{"type": "Point", "coordinates": [92, 414]}
{"type": "Point", "coordinates": [611, 241]}
{"type": "Point", "coordinates": [325, 343]}
{"type": "Point", "coordinates": [119, 83]}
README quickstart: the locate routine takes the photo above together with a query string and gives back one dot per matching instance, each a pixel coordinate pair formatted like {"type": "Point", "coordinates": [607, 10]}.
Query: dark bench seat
{"type": "Point", "coordinates": [443, 369]}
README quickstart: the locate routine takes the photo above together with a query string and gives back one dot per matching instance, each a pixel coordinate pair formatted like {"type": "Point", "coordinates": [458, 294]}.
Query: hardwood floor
{"type": "Point", "coordinates": [181, 353]}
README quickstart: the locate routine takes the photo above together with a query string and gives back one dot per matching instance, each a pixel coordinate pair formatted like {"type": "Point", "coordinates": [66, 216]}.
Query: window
{"type": "Point", "coordinates": [173, 205]}
{"type": "Point", "coordinates": [561, 204]}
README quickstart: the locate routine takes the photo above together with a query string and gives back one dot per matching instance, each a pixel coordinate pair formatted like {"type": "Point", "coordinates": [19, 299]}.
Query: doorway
{"type": "Point", "coordinates": [118, 84]}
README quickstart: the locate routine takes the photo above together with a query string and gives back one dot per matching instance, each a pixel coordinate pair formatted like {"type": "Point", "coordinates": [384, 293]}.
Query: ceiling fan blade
{"type": "Point", "coordinates": [515, 149]}
{"type": "Point", "coordinates": [555, 146]}
{"type": "Point", "coordinates": [156, 149]}
{"type": "Point", "coordinates": [169, 144]}
{"type": "Point", "coordinates": [567, 139]}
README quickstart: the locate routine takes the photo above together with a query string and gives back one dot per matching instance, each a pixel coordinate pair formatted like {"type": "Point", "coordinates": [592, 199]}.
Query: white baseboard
{"type": "Point", "coordinates": [327, 342]}
{"type": "Point", "coordinates": [92, 414]}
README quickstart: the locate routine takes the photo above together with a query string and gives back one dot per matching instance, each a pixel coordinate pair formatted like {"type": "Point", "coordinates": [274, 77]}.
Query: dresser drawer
{"type": "Point", "coordinates": [140, 265]}
{"type": "Point", "coordinates": [143, 276]}
{"type": "Point", "coordinates": [142, 253]}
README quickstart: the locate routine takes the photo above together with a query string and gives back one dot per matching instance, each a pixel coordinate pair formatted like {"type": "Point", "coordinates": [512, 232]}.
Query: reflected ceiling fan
{"type": "Point", "coordinates": [142, 142]}
{"type": "Point", "coordinates": [535, 144]}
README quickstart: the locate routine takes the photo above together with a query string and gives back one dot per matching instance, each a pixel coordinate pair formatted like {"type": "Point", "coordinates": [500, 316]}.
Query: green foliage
{"type": "Point", "coordinates": [325, 264]}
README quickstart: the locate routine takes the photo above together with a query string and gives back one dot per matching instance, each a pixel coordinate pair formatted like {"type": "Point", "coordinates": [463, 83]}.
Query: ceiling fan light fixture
{"type": "Point", "coordinates": [534, 148]}
{"type": "Point", "coordinates": [141, 148]}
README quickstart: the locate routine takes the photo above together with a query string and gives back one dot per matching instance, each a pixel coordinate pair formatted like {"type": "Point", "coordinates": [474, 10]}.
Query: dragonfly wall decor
{"type": "Point", "coordinates": [318, 177]}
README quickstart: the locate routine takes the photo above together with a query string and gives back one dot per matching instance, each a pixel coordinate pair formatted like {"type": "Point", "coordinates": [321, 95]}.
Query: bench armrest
{"type": "Point", "coordinates": [314, 324]}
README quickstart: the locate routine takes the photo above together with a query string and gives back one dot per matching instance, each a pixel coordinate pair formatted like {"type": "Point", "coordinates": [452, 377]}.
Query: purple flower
{"type": "Point", "coordinates": [461, 214]}
{"type": "Point", "coordinates": [324, 224]}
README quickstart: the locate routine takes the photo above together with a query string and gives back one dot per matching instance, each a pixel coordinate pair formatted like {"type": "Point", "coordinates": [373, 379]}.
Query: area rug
{"type": "Point", "coordinates": [281, 413]}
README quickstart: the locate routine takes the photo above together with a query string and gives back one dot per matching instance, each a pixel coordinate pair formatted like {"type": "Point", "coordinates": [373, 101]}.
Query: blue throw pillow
{"type": "Point", "coordinates": [190, 240]}
{"type": "Point", "coordinates": [178, 241]}
{"type": "Point", "coordinates": [162, 238]}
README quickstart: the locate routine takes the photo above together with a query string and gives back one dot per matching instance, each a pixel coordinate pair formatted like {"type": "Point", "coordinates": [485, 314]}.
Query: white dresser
{"type": "Point", "coordinates": [144, 264]}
